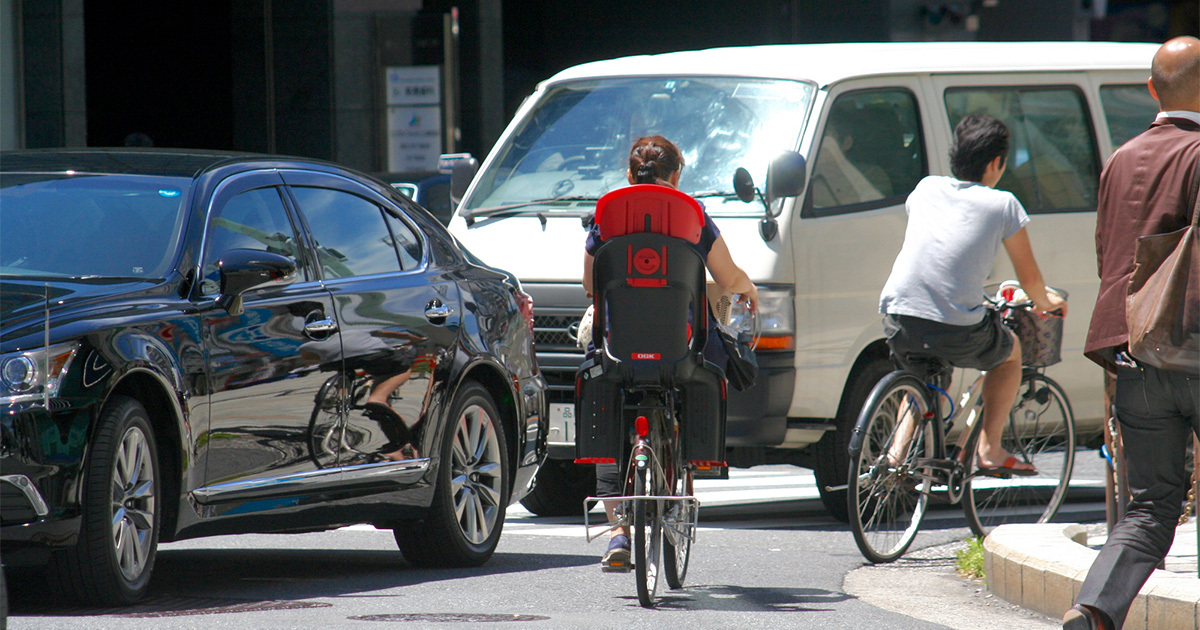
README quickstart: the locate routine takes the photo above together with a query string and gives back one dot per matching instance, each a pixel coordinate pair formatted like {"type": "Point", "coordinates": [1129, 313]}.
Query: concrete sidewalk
{"type": "Point", "coordinates": [1041, 567]}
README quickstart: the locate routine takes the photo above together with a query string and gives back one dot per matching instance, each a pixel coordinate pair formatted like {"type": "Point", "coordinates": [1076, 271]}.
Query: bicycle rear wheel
{"type": "Point", "coordinates": [647, 534]}
{"type": "Point", "coordinates": [888, 492]}
{"type": "Point", "coordinates": [679, 530]}
{"type": "Point", "coordinates": [1041, 431]}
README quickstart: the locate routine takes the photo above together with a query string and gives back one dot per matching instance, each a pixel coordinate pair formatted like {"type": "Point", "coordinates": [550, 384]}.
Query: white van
{"type": "Point", "coordinates": [847, 130]}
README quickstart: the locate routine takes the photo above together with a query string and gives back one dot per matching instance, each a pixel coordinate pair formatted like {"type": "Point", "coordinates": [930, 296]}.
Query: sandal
{"type": "Point", "coordinates": [1007, 469]}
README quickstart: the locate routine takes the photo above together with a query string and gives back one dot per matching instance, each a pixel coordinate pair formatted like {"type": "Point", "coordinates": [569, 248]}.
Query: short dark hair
{"type": "Point", "coordinates": [978, 139]}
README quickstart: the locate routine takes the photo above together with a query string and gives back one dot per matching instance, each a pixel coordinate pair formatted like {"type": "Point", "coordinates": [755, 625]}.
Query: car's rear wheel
{"type": "Point", "coordinates": [118, 540]}
{"type": "Point", "coordinates": [472, 489]}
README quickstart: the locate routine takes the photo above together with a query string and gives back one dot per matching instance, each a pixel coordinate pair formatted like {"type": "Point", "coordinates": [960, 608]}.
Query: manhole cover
{"type": "Point", "coordinates": [450, 618]}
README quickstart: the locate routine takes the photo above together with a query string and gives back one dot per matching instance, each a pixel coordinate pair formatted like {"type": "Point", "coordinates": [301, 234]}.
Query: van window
{"type": "Point", "coordinates": [1129, 110]}
{"type": "Point", "coordinates": [871, 153]}
{"type": "Point", "coordinates": [1053, 164]}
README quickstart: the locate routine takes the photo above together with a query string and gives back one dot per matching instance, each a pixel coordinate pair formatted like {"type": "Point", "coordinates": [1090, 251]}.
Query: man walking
{"type": "Point", "coordinates": [1148, 186]}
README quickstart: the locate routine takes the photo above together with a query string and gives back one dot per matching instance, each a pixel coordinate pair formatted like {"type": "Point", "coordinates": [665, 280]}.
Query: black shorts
{"type": "Point", "coordinates": [981, 346]}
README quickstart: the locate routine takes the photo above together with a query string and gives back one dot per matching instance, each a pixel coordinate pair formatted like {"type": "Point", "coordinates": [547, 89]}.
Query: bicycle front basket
{"type": "Point", "coordinates": [1041, 339]}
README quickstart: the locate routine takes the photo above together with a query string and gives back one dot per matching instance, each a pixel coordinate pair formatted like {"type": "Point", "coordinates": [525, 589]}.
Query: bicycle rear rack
{"type": "Point", "coordinates": [623, 519]}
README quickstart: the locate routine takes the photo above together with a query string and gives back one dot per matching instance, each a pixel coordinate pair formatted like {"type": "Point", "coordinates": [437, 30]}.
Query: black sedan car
{"type": "Point", "coordinates": [199, 343]}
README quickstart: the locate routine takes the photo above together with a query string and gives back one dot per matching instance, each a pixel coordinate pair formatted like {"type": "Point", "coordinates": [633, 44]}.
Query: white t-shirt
{"type": "Point", "coordinates": [955, 230]}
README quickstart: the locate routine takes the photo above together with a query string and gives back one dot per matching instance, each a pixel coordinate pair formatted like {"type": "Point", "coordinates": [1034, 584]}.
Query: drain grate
{"type": "Point", "coordinates": [450, 618]}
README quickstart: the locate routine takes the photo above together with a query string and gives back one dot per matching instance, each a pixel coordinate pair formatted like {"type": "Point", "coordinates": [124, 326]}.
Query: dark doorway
{"type": "Point", "coordinates": [159, 69]}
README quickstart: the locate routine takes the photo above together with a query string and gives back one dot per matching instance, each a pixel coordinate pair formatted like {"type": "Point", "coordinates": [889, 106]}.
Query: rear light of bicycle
{"type": "Point", "coordinates": [642, 426]}
{"type": "Point", "coordinates": [595, 460]}
{"type": "Point", "coordinates": [707, 464]}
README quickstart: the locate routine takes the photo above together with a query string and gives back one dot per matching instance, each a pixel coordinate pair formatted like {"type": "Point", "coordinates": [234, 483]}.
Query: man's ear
{"type": "Point", "coordinates": [1150, 86]}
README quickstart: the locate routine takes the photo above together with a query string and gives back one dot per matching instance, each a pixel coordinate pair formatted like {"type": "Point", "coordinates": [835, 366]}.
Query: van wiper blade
{"type": "Point", "coordinates": [516, 208]}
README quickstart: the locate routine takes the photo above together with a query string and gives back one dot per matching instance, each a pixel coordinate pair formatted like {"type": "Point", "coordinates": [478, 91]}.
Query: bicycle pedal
{"type": "Point", "coordinates": [617, 567]}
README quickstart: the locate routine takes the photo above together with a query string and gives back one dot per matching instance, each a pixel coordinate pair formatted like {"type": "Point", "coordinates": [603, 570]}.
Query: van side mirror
{"type": "Point", "coordinates": [743, 187]}
{"type": "Point", "coordinates": [785, 176]}
{"type": "Point", "coordinates": [460, 178]}
{"type": "Point", "coordinates": [243, 270]}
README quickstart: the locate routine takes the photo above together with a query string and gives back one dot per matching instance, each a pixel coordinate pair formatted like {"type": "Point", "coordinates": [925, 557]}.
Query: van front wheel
{"type": "Point", "coordinates": [832, 451]}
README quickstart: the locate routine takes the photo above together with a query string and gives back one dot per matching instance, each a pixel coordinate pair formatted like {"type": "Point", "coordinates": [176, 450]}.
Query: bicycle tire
{"type": "Point", "coordinates": [1040, 430]}
{"type": "Point", "coordinates": [679, 531]}
{"type": "Point", "coordinates": [887, 502]}
{"type": "Point", "coordinates": [647, 536]}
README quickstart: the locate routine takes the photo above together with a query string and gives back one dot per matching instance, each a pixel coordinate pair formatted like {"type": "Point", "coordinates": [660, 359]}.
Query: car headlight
{"type": "Point", "coordinates": [776, 320]}
{"type": "Point", "coordinates": [26, 376]}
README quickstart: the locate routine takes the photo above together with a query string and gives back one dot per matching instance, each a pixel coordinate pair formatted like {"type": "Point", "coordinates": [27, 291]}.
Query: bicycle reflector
{"type": "Point", "coordinates": [642, 426]}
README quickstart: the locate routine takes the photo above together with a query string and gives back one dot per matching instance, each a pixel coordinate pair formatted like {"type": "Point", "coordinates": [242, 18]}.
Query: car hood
{"type": "Point", "coordinates": [23, 302]}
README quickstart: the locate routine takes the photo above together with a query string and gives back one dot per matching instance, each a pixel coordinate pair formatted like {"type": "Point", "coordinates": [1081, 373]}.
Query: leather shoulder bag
{"type": "Point", "coordinates": [1162, 307]}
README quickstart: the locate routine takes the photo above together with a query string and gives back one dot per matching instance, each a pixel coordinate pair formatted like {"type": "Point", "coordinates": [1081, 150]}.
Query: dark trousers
{"type": "Point", "coordinates": [1158, 411]}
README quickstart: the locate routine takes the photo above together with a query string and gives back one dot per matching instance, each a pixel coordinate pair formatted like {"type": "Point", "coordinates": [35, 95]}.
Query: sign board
{"type": "Point", "coordinates": [414, 117]}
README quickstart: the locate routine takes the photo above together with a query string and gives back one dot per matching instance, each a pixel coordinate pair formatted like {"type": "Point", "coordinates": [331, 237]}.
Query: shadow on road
{"type": "Point", "coordinates": [210, 581]}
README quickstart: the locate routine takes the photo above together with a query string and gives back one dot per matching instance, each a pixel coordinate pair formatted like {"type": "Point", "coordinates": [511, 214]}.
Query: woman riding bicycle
{"type": "Point", "coordinates": [931, 301]}
{"type": "Point", "coordinates": [656, 160]}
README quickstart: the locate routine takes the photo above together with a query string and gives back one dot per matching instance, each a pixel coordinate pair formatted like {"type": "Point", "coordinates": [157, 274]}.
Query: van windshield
{"type": "Point", "coordinates": [574, 145]}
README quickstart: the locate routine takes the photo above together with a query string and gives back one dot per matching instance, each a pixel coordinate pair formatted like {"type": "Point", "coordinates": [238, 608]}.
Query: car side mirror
{"type": "Point", "coordinates": [460, 178]}
{"type": "Point", "coordinates": [785, 176]}
{"type": "Point", "coordinates": [243, 270]}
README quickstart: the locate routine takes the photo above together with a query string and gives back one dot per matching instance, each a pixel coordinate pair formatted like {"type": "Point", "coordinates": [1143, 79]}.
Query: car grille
{"type": "Point", "coordinates": [550, 332]}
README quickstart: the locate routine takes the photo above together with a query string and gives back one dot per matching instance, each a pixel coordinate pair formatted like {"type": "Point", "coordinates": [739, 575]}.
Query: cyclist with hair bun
{"type": "Point", "coordinates": [656, 160]}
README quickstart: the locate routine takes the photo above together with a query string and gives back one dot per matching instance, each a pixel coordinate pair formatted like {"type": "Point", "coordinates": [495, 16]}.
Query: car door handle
{"type": "Point", "coordinates": [437, 312]}
{"type": "Point", "coordinates": [320, 327]}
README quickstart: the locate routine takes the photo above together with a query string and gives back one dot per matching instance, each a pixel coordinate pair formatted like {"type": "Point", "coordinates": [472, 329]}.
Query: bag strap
{"type": "Point", "coordinates": [1195, 191]}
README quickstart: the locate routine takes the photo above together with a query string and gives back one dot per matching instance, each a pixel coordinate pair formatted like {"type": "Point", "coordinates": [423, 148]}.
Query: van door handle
{"type": "Point", "coordinates": [436, 312]}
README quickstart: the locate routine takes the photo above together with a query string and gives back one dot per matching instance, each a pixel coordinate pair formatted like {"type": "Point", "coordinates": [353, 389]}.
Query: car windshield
{"type": "Point", "coordinates": [79, 225]}
{"type": "Point", "coordinates": [574, 145]}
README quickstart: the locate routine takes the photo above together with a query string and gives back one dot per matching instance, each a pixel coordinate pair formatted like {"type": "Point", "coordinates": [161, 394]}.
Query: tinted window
{"type": "Point", "coordinates": [406, 242]}
{"type": "Point", "coordinates": [1053, 164]}
{"type": "Point", "coordinates": [1129, 110]}
{"type": "Point", "coordinates": [351, 236]}
{"type": "Point", "coordinates": [255, 219]}
{"type": "Point", "coordinates": [871, 151]}
{"type": "Point", "coordinates": [106, 226]}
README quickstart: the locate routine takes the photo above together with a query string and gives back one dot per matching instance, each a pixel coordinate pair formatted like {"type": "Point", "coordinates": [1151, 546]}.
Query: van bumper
{"type": "Point", "coordinates": [758, 416]}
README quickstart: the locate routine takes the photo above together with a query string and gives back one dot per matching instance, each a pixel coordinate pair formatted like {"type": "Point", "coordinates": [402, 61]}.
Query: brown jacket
{"type": "Point", "coordinates": [1147, 187]}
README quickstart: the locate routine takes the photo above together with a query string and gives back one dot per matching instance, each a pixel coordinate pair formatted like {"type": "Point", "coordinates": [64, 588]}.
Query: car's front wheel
{"type": "Point", "coordinates": [472, 489]}
{"type": "Point", "coordinates": [118, 540]}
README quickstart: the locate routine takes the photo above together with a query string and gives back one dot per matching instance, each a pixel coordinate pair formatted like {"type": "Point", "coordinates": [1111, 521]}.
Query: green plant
{"type": "Point", "coordinates": [970, 559]}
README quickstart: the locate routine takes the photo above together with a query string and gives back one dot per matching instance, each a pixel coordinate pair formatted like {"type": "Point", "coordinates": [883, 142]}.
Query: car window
{"type": "Point", "coordinates": [89, 225]}
{"type": "Point", "coordinates": [351, 236]}
{"type": "Point", "coordinates": [1053, 163]}
{"type": "Point", "coordinates": [1129, 110]}
{"type": "Point", "coordinates": [871, 151]}
{"type": "Point", "coordinates": [406, 241]}
{"type": "Point", "coordinates": [255, 219]}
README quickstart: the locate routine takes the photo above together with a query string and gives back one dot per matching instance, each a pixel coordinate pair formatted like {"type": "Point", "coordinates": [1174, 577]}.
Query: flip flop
{"type": "Point", "coordinates": [1007, 469]}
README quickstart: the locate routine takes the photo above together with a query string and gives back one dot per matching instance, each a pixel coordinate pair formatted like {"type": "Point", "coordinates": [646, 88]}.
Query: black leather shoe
{"type": "Point", "coordinates": [1081, 618]}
